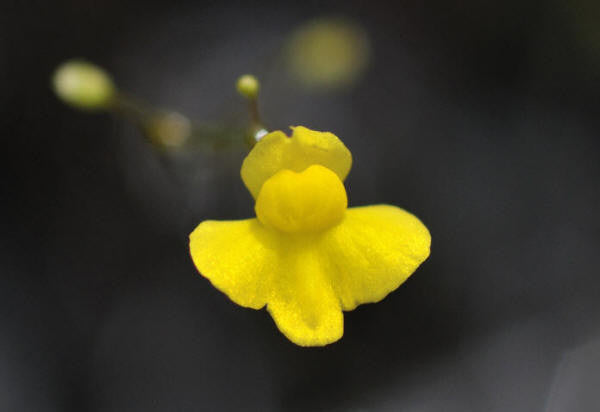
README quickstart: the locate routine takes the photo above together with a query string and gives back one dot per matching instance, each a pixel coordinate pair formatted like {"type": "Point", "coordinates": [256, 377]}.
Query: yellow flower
{"type": "Point", "coordinates": [306, 256]}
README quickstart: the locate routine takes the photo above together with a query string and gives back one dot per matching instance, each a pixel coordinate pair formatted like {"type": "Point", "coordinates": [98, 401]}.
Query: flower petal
{"type": "Point", "coordinates": [236, 256]}
{"type": "Point", "coordinates": [305, 147]}
{"type": "Point", "coordinates": [372, 252]}
{"type": "Point", "coordinates": [304, 305]}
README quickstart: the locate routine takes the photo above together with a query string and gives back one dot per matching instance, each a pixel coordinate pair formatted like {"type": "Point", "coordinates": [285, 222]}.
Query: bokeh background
{"type": "Point", "coordinates": [481, 117]}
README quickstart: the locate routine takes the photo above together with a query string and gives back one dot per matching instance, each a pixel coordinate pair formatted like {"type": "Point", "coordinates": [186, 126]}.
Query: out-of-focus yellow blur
{"type": "Point", "coordinates": [327, 53]}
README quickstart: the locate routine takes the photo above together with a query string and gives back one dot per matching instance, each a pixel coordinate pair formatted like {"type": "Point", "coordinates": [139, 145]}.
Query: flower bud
{"type": "Point", "coordinates": [248, 86]}
{"type": "Point", "coordinates": [83, 85]}
{"type": "Point", "coordinates": [168, 129]}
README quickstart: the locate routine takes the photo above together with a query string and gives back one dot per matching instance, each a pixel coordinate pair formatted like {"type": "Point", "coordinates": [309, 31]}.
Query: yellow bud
{"type": "Point", "coordinates": [169, 129]}
{"type": "Point", "coordinates": [248, 86]}
{"type": "Point", "coordinates": [83, 85]}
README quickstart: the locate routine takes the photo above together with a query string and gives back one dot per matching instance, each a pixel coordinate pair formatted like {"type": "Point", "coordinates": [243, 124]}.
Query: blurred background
{"type": "Point", "coordinates": [480, 117]}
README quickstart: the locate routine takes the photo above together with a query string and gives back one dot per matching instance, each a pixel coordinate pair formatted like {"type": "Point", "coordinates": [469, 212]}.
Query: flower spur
{"type": "Point", "coordinates": [306, 256]}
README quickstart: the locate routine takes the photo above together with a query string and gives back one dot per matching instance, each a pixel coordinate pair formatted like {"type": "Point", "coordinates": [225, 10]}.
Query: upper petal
{"type": "Point", "coordinates": [237, 257]}
{"type": "Point", "coordinates": [305, 147]}
{"type": "Point", "coordinates": [372, 252]}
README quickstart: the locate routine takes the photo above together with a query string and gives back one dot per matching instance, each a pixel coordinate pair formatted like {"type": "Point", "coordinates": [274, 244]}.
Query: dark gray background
{"type": "Point", "coordinates": [479, 117]}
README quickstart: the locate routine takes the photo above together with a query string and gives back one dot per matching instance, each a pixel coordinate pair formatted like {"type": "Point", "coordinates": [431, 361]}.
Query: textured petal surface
{"type": "Point", "coordinates": [372, 252]}
{"type": "Point", "coordinates": [306, 280]}
{"type": "Point", "coordinates": [304, 305]}
{"type": "Point", "coordinates": [309, 201]}
{"type": "Point", "coordinates": [305, 147]}
{"type": "Point", "coordinates": [255, 266]}
{"type": "Point", "coordinates": [237, 257]}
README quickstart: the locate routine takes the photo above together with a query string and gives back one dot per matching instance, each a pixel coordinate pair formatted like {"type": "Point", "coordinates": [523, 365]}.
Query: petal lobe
{"type": "Point", "coordinates": [372, 252]}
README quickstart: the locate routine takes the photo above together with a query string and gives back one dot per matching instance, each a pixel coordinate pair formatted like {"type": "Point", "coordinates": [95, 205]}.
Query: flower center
{"type": "Point", "coordinates": [310, 201]}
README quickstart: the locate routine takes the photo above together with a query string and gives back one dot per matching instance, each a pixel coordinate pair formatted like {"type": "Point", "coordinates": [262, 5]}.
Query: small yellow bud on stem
{"type": "Point", "coordinates": [83, 85]}
{"type": "Point", "coordinates": [248, 86]}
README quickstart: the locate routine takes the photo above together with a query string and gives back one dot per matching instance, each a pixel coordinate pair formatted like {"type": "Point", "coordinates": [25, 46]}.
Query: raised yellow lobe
{"type": "Point", "coordinates": [305, 202]}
